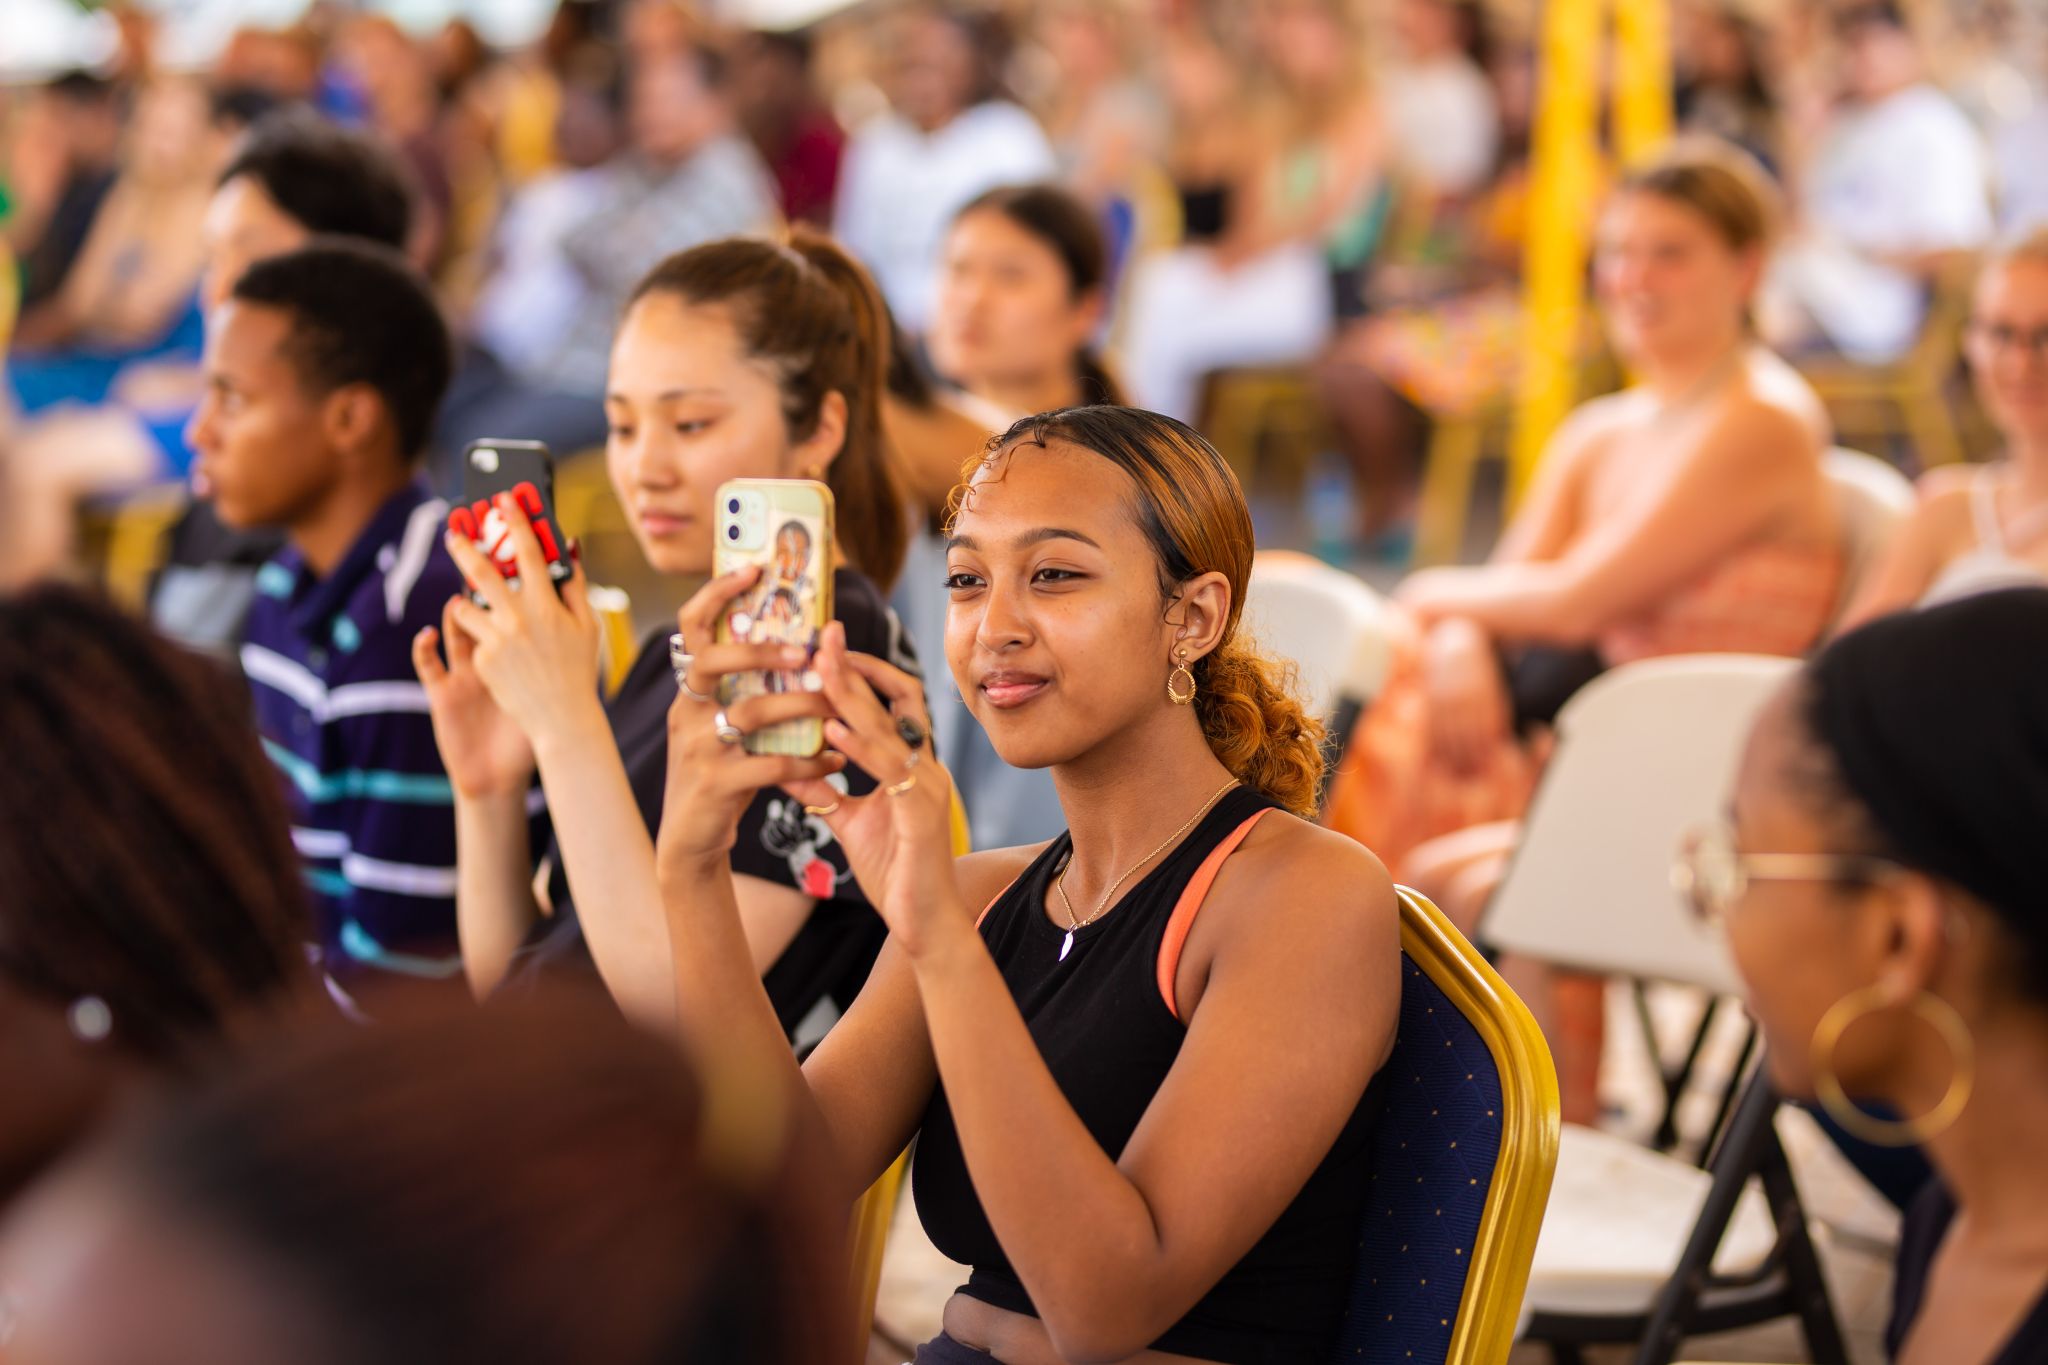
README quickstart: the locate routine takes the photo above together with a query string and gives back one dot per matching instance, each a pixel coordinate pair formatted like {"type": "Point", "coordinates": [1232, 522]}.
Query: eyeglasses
{"type": "Point", "coordinates": [1996, 336]}
{"type": "Point", "coordinates": [1712, 875]}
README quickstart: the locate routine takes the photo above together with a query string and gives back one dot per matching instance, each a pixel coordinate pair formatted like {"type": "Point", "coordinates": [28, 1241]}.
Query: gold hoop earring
{"type": "Point", "coordinates": [1178, 695]}
{"type": "Point", "coordinates": [1942, 1018]}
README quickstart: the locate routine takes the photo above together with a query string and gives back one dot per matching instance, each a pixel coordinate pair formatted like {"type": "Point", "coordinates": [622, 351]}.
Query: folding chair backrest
{"type": "Point", "coordinates": [1327, 621]}
{"type": "Point", "coordinates": [1644, 754]}
{"type": "Point", "coordinates": [1871, 500]}
{"type": "Point", "coordinates": [1462, 1163]}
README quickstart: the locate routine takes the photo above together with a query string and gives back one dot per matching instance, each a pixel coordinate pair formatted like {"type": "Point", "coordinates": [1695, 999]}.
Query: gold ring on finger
{"type": "Point", "coordinates": [821, 810]}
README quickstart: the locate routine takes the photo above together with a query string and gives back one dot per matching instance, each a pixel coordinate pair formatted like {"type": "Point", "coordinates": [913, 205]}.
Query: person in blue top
{"type": "Point", "coordinates": [323, 369]}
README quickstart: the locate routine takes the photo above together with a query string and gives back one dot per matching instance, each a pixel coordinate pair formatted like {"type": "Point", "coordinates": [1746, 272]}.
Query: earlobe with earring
{"type": "Point", "coordinates": [1180, 683]}
{"type": "Point", "coordinates": [1939, 1015]}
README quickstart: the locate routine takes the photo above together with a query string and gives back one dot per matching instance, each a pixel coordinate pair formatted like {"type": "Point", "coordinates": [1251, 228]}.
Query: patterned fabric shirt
{"type": "Point", "coordinates": [344, 718]}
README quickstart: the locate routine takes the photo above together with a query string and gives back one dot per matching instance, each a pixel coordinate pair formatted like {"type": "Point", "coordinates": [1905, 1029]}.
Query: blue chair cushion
{"type": "Point", "coordinates": [1433, 1161]}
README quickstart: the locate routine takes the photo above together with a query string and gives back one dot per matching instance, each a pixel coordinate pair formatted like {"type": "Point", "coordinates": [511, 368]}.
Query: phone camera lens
{"type": "Point", "coordinates": [732, 505]}
{"type": "Point", "coordinates": [732, 533]}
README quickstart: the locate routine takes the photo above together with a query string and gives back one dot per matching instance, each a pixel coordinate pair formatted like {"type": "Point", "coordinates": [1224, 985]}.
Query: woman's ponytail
{"type": "Point", "coordinates": [863, 478]}
{"type": "Point", "coordinates": [1257, 726]}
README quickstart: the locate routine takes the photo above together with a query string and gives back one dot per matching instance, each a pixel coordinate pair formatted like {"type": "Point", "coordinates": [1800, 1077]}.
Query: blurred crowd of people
{"type": "Point", "coordinates": [1293, 182]}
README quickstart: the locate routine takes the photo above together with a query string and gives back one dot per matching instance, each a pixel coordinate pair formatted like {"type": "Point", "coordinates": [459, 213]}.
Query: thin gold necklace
{"type": "Point", "coordinates": [1074, 926]}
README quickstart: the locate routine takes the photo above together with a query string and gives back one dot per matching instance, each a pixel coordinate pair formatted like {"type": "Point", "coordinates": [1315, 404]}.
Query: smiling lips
{"type": "Point", "coordinates": [659, 522]}
{"type": "Point", "coordinates": [1008, 688]}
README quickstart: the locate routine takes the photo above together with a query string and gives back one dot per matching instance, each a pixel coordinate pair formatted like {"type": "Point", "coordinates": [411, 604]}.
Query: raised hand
{"type": "Point", "coordinates": [534, 648]}
{"type": "Point", "coordinates": [899, 839]}
{"type": "Point", "coordinates": [711, 776]}
{"type": "Point", "coordinates": [486, 755]}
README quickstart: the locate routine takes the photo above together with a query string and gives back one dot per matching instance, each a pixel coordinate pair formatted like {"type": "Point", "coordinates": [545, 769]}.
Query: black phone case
{"type": "Point", "coordinates": [525, 469]}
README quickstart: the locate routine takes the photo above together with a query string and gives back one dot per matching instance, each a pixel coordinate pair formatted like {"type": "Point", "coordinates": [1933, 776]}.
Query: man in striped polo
{"type": "Point", "coordinates": [323, 367]}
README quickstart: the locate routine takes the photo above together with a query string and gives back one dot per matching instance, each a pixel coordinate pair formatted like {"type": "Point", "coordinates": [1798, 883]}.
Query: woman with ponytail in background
{"type": "Point", "coordinates": [1022, 293]}
{"type": "Point", "coordinates": [741, 358]}
{"type": "Point", "coordinates": [1090, 1038]}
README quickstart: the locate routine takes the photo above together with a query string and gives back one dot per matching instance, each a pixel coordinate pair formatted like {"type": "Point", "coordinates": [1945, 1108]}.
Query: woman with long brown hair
{"type": "Point", "coordinates": [1089, 1037]}
{"type": "Point", "coordinates": [739, 358]}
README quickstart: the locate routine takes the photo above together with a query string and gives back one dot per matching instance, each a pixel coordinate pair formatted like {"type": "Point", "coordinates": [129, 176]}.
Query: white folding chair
{"type": "Point", "coordinates": [1328, 622]}
{"type": "Point", "coordinates": [1871, 500]}
{"type": "Point", "coordinates": [1640, 1246]}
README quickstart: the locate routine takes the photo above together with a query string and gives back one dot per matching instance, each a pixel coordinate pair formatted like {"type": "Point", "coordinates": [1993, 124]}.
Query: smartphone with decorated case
{"type": "Point", "coordinates": [785, 526]}
{"type": "Point", "coordinates": [526, 470]}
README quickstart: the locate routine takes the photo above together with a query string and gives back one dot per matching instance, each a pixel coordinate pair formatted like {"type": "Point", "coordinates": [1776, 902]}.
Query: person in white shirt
{"type": "Point", "coordinates": [948, 136]}
{"type": "Point", "coordinates": [2021, 150]}
{"type": "Point", "coordinates": [1897, 178]}
{"type": "Point", "coordinates": [687, 177]}
{"type": "Point", "coordinates": [1443, 123]}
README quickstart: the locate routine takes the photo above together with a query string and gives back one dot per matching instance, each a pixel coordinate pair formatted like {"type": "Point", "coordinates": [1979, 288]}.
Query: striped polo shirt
{"type": "Point", "coordinates": [344, 718]}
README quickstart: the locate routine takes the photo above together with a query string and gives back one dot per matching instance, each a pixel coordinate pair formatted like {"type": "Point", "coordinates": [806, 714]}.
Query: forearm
{"type": "Point", "coordinates": [722, 1011]}
{"type": "Point", "coordinates": [1079, 1234]}
{"type": "Point", "coordinates": [608, 858]}
{"type": "Point", "coordinates": [1534, 602]}
{"type": "Point", "coordinates": [494, 906]}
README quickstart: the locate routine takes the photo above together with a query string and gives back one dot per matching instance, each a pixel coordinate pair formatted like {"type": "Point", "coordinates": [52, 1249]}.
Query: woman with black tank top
{"type": "Point", "coordinates": [1885, 896]}
{"type": "Point", "coordinates": [1138, 1056]}
{"type": "Point", "coordinates": [742, 358]}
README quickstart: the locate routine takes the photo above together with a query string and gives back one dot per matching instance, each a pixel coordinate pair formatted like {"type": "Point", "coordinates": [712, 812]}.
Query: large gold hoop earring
{"type": "Point", "coordinates": [1942, 1018]}
{"type": "Point", "coordinates": [1180, 694]}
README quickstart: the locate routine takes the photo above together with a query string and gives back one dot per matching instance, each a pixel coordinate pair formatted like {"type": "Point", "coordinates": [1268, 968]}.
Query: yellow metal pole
{"type": "Point", "coordinates": [1642, 93]}
{"type": "Point", "coordinates": [1563, 176]}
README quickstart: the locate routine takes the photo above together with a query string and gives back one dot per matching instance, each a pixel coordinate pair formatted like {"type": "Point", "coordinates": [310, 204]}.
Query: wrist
{"type": "Point", "coordinates": [683, 868]}
{"type": "Point", "coordinates": [495, 806]}
{"type": "Point", "coordinates": [948, 937]}
{"type": "Point", "coordinates": [577, 732]}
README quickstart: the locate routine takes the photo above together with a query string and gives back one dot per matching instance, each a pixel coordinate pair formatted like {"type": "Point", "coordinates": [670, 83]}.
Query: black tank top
{"type": "Point", "coordinates": [1103, 1025]}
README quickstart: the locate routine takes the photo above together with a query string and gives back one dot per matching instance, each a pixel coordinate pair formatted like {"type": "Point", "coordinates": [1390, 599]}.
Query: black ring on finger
{"type": "Point", "coordinates": [911, 731]}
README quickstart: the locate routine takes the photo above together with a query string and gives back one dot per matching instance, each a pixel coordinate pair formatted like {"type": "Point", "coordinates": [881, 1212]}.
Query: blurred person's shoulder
{"type": "Point", "coordinates": [1775, 395]}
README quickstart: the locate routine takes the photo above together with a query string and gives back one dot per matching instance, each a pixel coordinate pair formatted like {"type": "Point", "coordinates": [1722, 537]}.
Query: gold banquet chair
{"type": "Point", "coordinates": [1461, 1162]}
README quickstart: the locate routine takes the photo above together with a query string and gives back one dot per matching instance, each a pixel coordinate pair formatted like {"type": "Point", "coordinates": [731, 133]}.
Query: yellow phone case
{"type": "Point", "coordinates": [784, 525]}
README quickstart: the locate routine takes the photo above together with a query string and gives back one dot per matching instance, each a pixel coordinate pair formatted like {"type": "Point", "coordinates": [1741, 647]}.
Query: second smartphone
{"type": "Point", "coordinates": [785, 526]}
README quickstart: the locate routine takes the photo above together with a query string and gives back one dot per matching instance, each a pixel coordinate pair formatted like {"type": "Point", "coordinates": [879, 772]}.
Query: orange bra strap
{"type": "Point", "coordinates": [1190, 903]}
{"type": "Point", "coordinates": [992, 904]}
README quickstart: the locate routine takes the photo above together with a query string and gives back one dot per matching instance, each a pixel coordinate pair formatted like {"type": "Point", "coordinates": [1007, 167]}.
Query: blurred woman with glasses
{"type": "Point", "coordinates": [1886, 902]}
{"type": "Point", "coordinates": [1986, 526]}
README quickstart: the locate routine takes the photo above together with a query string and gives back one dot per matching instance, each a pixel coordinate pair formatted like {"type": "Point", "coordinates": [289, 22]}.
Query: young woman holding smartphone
{"type": "Point", "coordinates": [1094, 1039]}
{"type": "Point", "coordinates": [738, 359]}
